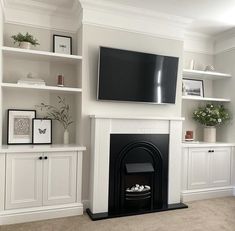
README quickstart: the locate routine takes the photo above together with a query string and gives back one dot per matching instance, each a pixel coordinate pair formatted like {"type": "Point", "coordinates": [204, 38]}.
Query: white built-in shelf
{"type": "Point", "coordinates": [40, 148]}
{"type": "Point", "coordinates": [210, 75]}
{"type": "Point", "coordinates": [39, 55]}
{"type": "Point", "coordinates": [205, 99]}
{"type": "Point", "coordinates": [45, 88]}
{"type": "Point", "coordinates": [195, 144]}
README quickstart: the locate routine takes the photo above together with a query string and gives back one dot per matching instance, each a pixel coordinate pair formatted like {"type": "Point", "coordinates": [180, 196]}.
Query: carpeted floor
{"type": "Point", "coordinates": [208, 215]}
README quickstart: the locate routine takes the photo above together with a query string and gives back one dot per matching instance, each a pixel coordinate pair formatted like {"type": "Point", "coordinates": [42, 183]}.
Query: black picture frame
{"type": "Point", "coordinates": [41, 132]}
{"type": "Point", "coordinates": [61, 36]}
{"type": "Point", "coordinates": [195, 81]}
{"type": "Point", "coordinates": [9, 126]}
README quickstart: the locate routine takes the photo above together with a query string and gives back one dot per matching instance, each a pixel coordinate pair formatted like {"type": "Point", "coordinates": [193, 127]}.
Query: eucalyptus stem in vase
{"type": "Point", "coordinates": [60, 114]}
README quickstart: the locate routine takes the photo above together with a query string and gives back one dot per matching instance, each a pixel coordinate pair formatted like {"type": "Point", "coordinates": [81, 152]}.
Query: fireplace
{"type": "Point", "coordinates": [135, 165]}
{"type": "Point", "coordinates": [138, 172]}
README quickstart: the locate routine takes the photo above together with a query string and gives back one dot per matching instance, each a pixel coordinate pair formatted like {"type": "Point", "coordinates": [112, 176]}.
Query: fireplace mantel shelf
{"type": "Point", "coordinates": [135, 117]}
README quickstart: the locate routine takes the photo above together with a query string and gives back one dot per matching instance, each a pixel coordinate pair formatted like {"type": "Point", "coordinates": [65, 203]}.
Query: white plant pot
{"type": "Point", "coordinates": [66, 137]}
{"type": "Point", "coordinates": [25, 45]}
{"type": "Point", "coordinates": [210, 134]}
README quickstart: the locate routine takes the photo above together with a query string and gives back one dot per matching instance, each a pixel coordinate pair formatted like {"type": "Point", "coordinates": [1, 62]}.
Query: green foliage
{"type": "Point", "coordinates": [211, 115]}
{"type": "Point", "coordinates": [60, 113]}
{"type": "Point", "coordinates": [25, 38]}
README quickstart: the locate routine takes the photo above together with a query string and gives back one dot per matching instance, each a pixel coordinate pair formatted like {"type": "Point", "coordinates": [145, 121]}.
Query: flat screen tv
{"type": "Point", "coordinates": [135, 76]}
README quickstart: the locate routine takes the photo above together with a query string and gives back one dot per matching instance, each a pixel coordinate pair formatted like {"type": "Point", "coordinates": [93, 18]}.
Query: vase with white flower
{"type": "Point", "coordinates": [211, 116]}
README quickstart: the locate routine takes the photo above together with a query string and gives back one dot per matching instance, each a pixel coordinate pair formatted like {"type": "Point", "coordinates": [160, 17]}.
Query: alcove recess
{"type": "Point", "coordinates": [44, 64]}
{"type": "Point", "coordinates": [211, 92]}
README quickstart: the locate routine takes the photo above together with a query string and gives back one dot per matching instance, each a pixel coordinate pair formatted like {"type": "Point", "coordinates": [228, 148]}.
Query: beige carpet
{"type": "Point", "coordinates": [208, 215]}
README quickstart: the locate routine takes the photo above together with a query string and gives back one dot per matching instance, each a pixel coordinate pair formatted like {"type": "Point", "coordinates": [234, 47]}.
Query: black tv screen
{"type": "Point", "coordinates": [135, 76]}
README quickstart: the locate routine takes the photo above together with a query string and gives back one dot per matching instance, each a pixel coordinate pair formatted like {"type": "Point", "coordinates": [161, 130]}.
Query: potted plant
{"type": "Point", "coordinates": [25, 41]}
{"type": "Point", "coordinates": [211, 116]}
{"type": "Point", "coordinates": [61, 114]}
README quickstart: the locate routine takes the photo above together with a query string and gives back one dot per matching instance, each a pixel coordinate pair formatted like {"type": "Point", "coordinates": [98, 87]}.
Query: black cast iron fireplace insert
{"type": "Point", "coordinates": [138, 175]}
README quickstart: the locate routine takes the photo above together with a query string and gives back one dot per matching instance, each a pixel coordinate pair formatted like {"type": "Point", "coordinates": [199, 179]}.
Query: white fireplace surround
{"type": "Point", "coordinates": [103, 126]}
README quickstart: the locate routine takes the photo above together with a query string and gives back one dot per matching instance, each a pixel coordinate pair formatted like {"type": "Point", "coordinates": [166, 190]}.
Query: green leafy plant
{"type": "Point", "coordinates": [60, 113]}
{"type": "Point", "coordinates": [19, 38]}
{"type": "Point", "coordinates": [211, 115]}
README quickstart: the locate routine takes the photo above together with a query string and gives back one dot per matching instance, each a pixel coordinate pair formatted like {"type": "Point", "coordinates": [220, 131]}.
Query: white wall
{"type": "Point", "coordinates": [93, 37]}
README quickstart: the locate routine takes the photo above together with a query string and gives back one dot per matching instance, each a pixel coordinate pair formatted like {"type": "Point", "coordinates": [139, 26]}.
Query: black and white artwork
{"type": "Point", "coordinates": [19, 126]}
{"type": "Point", "coordinates": [193, 87]}
{"type": "Point", "coordinates": [42, 131]}
{"type": "Point", "coordinates": [62, 44]}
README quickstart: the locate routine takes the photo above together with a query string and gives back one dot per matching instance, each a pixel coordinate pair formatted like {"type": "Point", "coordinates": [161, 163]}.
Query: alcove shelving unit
{"type": "Point", "coordinates": [17, 63]}
{"type": "Point", "coordinates": [207, 76]}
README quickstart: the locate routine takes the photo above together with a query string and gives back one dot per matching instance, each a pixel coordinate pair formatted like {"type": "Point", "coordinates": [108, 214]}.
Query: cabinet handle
{"type": "Point", "coordinates": [45, 158]}
{"type": "Point", "coordinates": [212, 150]}
{"type": "Point", "coordinates": [209, 150]}
{"type": "Point", "coordinates": [40, 158]}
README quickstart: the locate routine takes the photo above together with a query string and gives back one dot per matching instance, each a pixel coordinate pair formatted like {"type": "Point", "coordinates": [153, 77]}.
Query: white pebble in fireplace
{"type": "Point", "coordinates": [103, 127]}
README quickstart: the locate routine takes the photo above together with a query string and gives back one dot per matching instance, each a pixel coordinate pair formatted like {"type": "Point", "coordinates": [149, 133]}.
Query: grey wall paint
{"type": "Point", "coordinates": [224, 62]}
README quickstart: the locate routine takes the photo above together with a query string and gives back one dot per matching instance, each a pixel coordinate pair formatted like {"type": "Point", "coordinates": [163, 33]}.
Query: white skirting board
{"type": "Point", "coordinates": [40, 213]}
{"type": "Point", "coordinates": [201, 194]}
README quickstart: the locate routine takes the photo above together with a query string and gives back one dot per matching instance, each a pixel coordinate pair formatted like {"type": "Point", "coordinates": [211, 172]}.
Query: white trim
{"type": "Point", "coordinates": [134, 118]}
{"type": "Point", "coordinates": [133, 19]}
{"type": "Point", "coordinates": [40, 213]}
{"type": "Point", "coordinates": [195, 144]}
{"type": "Point", "coordinates": [193, 195]}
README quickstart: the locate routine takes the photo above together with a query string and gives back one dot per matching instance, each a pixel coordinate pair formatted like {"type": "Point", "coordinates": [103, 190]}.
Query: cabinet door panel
{"type": "Point", "coordinates": [60, 178]}
{"type": "Point", "coordinates": [198, 168]}
{"type": "Point", "coordinates": [220, 167]}
{"type": "Point", "coordinates": [23, 180]}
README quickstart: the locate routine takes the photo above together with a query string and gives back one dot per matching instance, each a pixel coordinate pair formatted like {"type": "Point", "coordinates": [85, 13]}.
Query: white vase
{"type": "Point", "coordinates": [66, 136]}
{"type": "Point", "coordinates": [25, 45]}
{"type": "Point", "coordinates": [210, 134]}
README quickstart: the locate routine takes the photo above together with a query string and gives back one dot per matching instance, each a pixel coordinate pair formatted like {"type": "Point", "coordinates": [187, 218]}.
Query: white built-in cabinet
{"type": "Point", "coordinates": [206, 172]}
{"type": "Point", "coordinates": [40, 183]}
{"type": "Point", "coordinates": [40, 179]}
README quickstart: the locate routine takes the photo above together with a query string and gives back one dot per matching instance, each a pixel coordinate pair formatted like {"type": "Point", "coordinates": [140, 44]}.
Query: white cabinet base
{"type": "Point", "coordinates": [209, 193]}
{"type": "Point", "coordinates": [40, 213]}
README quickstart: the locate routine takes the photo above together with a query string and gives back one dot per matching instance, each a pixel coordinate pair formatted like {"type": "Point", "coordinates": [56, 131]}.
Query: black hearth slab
{"type": "Point", "coordinates": [101, 216]}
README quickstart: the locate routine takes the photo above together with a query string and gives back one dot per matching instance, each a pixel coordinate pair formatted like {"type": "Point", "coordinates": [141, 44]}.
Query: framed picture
{"type": "Point", "coordinates": [62, 44]}
{"type": "Point", "coordinates": [19, 126]}
{"type": "Point", "coordinates": [42, 131]}
{"type": "Point", "coordinates": [193, 87]}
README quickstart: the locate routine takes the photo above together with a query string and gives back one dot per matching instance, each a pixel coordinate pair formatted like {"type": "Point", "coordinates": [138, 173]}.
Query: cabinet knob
{"type": "Point", "coordinates": [40, 158]}
{"type": "Point", "coordinates": [45, 158]}
{"type": "Point", "coordinates": [209, 150]}
{"type": "Point", "coordinates": [212, 150]}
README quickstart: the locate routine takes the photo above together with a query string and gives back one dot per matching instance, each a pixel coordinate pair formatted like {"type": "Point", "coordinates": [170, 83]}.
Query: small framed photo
{"type": "Point", "coordinates": [193, 87]}
{"type": "Point", "coordinates": [19, 126]}
{"type": "Point", "coordinates": [42, 131]}
{"type": "Point", "coordinates": [62, 44]}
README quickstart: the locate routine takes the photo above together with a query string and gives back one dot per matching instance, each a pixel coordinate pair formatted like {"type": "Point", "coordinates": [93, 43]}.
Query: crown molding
{"type": "Point", "coordinates": [116, 16]}
{"type": "Point", "coordinates": [199, 43]}
{"type": "Point", "coordinates": [225, 41]}
{"type": "Point", "coordinates": [42, 15]}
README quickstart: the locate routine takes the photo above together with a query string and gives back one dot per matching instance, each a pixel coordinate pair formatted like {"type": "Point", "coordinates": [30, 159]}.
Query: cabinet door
{"type": "Point", "coordinates": [198, 168]}
{"type": "Point", "coordinates": [23, 180]}
{"type": "Point", "coordinates": [59, 181]}
{"type": "Point", "coordinates": [220, 166]}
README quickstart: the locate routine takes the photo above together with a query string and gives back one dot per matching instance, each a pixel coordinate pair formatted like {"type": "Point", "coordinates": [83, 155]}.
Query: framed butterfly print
{"type": "Point", "coordinates": [42, 131]}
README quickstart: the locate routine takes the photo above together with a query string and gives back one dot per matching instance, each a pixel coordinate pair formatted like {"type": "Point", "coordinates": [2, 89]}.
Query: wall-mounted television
{"type": "Point", "coordinates": [136, 76]}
